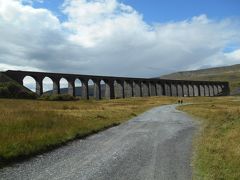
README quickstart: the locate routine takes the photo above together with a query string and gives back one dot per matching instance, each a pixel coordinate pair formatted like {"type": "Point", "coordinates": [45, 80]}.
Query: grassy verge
{"type": "Point", "coordinates": [28, 127]}
{"type": "Point", "coordinates": [218, 146]}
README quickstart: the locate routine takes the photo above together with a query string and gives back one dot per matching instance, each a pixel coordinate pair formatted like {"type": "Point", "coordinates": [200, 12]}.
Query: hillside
{"type": "Point", "coordinates": [11, 89]}
{"type": "Point", "coordinates": [225, 73]}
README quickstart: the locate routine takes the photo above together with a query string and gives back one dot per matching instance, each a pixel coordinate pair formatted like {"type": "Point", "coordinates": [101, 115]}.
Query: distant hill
{"type": "Point", "coordinates": [225, 73]}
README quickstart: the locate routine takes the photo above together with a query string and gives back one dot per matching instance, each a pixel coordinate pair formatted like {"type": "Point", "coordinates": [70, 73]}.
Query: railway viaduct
{"type": "Point", "coordinates": [121, 87]}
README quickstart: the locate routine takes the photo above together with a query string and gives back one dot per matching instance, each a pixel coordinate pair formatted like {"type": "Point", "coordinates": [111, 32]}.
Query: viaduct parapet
{"type": "Point", "coordinates": [121, 87]}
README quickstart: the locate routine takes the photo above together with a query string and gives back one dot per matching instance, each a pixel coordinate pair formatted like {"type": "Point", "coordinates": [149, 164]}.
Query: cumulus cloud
{"type": "Point", "coordinates": [107, 37]}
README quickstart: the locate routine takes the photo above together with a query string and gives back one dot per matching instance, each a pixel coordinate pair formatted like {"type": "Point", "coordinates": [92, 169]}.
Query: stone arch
{"type": "Point", "coordinates": [78, 87]}
{"type": "Point", "coordinates": [102, 88]}
{"type": "Point", "coordinates": [90, 89]}
{"type": "Point", "coordinates": [63, 85]}
{"type": "Point", "coordinates": [30, 83]}
{"type": "Point", "coordinates": [47, 84]}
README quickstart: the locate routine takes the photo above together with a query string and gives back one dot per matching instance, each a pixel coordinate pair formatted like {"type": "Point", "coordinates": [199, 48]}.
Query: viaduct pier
{"type": "Point", "coordinates": [122, 87]}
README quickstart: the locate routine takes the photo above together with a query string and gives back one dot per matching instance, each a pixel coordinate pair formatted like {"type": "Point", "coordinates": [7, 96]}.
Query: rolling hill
{"type": "Point", "coordinates": [225, 73]}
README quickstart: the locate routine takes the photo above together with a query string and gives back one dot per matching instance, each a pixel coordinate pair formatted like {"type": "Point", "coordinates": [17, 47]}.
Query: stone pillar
{"type": "Point", "coordinates": [173, 89]}
{"type": "Point", "coordinates": [145, 89]}
{"type": "Point", "coordinates": [159, 90]}
{"type": "Point", "coordinates": [210, 90]}
{"type": "Point", "coordinates": [97, 89]}
{"type": "Point", "coordinates": [56, 86]}
{"type": "Point", "coordinates": [188, 90]}
{"type": "Point", "coordinates": [199, 90]}
{"type": "Point", "coordinates": [217, 90]}
{"type": "Point", "coordinates": [118, 89]}
{"type": "Point", "coordinates": [182, 86]}
{"type": "Point", "coordinates": [177, 92]}
{"type": "Point", "coordinates": [214, 90]}
{"type": "Point", "coordinates": [85, 93]}
{"type": "Point", "coordinates": [193, 88]}
{"type": "Point", "coordinates": [131, 88]}
{"type": "Point", "coordinates": [71, 87]}
{"type": "Point", "coordinates": [123, 89]}
{"type": "Point", "coordinates": [206, 90]}
{"type": "Point", "coordinates": [136, 89]}
{"type": "Point", "coordinates": [39, 87]}
{"type": "Point", "coordinates": [152, 88]}
{"type": "Point", "coordinates": [109, 90]}
{"type": "Point", "coordinates": [163, 89]}
{"type": "Point", "coordinates": [168, 89]}
{"type": "Point", "coordinates": [141, 92]}
{"type": "Point", "coordinates": [127, 89]}
{"type": "Point", "coordinates": [148, 88]}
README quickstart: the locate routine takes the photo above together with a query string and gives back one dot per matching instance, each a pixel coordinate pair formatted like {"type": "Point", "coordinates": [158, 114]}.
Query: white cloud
{"type": "Point", "coordinates": [110, 38]}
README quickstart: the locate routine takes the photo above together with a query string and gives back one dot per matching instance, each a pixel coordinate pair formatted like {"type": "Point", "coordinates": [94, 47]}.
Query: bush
{"type": "Point", "coordinates": [26, 95]}
{"type": "Point", "coordinates": [58, 97]}
{"type": "Point", "coordinates": [4, 92]}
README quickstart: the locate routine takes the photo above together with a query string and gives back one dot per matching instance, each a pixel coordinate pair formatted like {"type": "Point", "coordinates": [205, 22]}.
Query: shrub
{"type": "Point", "coordinates": [58, 97]}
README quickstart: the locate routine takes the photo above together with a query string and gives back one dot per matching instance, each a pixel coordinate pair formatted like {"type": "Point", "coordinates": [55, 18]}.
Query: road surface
{"type": "Point", "coordinates": [155, 145]}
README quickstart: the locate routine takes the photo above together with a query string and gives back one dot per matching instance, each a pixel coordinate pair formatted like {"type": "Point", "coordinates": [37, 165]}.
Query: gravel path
{"type": "Point", "coordinates": [154, 145]}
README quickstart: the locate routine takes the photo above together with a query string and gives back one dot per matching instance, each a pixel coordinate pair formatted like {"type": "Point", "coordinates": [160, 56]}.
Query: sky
{"type": "Point", "coordinates": [136, 38]}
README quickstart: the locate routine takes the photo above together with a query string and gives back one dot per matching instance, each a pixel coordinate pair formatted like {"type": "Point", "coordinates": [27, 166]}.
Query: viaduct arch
{"type": "Point", "coordinates": [121, 87]}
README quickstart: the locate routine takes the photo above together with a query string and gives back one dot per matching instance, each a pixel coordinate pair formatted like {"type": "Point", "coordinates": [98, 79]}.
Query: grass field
{"type": "Point", "coordinates": [218, 144]}
{"type": "Point", "coordinates": [31, 126]}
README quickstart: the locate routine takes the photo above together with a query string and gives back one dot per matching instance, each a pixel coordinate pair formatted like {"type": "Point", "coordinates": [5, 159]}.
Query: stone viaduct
{"type": "Point", "coordinates": [121, 87]}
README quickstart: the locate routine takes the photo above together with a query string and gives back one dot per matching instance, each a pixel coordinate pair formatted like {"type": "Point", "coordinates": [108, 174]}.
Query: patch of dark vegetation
{"type": "Point", "coordinates": [133, 114]}
{"type": "Point", "coordinates": [58, 97]}
{"type": "Point", "coordinates": [13, 90]}
{"type": "Point", "coordinates": [66, 107]}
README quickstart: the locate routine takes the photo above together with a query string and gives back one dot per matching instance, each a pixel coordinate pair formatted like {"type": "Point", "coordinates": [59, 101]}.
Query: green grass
{"type": "Point", "coordinates": [218, 145]}
{"type": "Point", "coordinates": [31, 126]}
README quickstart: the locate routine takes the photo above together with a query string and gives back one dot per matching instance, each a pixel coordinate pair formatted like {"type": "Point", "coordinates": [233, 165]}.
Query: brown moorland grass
{"type": "Point", "coordinates": [28, 127]}
{"type": "Point", "coordinates": [218, 145]}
